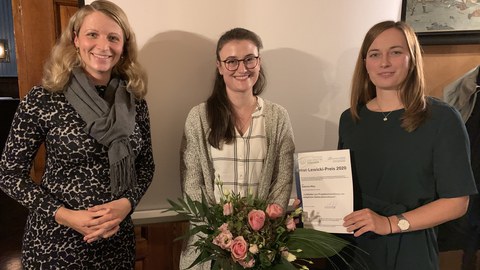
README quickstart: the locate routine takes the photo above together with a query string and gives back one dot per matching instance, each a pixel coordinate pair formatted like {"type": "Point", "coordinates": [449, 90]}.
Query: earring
{"type": "Point", "coordinates": [77, 49]}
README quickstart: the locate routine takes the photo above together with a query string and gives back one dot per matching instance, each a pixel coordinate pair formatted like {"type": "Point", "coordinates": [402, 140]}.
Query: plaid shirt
{"type": "Point", "coordinates": [239, 164]}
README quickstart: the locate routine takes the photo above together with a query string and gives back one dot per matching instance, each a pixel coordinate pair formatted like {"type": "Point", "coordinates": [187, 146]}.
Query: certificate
{"type": "Point", "coordinates": [325, 188]}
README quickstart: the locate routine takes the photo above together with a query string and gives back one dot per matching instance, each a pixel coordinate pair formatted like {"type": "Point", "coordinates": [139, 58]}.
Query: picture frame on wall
{"type": "Point", "coordinates": [443, 22]}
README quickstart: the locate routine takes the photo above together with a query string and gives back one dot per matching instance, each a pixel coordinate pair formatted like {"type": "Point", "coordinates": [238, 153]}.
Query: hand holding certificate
{"type": "Point", "coordinates": [325, 188]}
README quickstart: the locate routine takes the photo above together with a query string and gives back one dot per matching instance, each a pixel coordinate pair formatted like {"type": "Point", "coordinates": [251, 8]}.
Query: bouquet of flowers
{"type": "Point", "coordinates": [244, 232]}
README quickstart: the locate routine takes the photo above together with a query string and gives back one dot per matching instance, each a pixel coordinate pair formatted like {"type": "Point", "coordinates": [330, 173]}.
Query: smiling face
{"type": "Point", "coordinates": [388, 60]}
{"type": "Point", "coordinates": [242, 79]}
{"type": "Point", "coordinates": [100, 43]}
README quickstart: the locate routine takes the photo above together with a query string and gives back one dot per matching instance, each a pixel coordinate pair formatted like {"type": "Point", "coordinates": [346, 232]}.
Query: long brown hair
{"type": "Point", "coordinates": [221, 118]}
{"type": "Point", "coordinates": [63, 58]}
{"type": "Point", "coordinates": [412, 90]}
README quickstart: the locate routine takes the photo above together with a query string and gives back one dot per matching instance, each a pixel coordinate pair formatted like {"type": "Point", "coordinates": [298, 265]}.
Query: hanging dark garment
{"type": "Point", "coordinates": [464, 233]}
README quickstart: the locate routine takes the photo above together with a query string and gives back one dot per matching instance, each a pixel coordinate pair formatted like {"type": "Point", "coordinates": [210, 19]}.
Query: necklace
{"type": "Point", "coordinates": [241, 124]}
{"type": "Point", "coordinates": [385, 116]}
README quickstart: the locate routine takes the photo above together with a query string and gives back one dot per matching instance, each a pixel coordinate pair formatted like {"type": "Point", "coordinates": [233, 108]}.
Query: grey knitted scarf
{"type": "Point", "coordinates": [109, 125]}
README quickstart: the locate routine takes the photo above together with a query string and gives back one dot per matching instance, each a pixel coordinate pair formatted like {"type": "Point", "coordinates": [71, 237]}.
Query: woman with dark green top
{"type": "Point", "coordinates": [410, 154]}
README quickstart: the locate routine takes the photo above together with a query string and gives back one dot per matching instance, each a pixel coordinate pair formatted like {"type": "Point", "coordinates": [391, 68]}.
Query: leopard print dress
{"type": "Point", "coordinates": [76, 176]}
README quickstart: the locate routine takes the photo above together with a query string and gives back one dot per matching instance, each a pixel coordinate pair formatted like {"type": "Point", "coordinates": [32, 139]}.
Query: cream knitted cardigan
{"type": "Point", "coordinates": [196, 166]}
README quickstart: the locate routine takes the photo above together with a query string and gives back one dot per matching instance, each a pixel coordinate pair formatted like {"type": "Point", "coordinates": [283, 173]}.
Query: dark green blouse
{"type": "Point", "coordinates": [396, 171]}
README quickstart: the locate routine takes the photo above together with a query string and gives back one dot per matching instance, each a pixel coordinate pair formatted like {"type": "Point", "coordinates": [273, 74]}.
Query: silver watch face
{"type": "Point", "coordinates": [403, 224]}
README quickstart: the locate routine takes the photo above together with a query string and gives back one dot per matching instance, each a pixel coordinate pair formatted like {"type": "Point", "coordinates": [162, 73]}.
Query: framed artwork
{"type": "Point", "coordinates": [443, 22]}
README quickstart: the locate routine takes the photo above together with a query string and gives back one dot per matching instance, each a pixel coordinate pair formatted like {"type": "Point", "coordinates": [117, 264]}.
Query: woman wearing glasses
{"type": "Point", "coordinates": [236, 136]}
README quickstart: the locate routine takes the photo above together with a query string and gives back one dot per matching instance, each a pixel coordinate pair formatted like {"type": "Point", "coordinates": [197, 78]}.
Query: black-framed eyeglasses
{"type": "Point", "coordinates": [249, 62]}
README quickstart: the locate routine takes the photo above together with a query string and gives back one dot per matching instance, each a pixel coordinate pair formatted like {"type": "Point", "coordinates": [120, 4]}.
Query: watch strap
{"type": "Point", "coordinates": [402, 219]}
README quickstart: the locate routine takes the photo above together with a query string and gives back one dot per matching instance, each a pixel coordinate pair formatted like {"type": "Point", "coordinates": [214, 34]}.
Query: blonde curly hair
{"type": "Point", "coordinates": [64, 57]}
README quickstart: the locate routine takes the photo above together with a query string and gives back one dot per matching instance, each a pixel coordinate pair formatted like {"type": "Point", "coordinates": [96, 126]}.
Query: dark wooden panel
{"type": "Point", "coordinates": [8, 108]}
{"type": "Point", "coordinates": [9, 87]}
{"type": "Point", "coordinates": [141, 249]}
{"type": "Point", "coordinates": [13, 218]}
{"type": "Point", "coordinates": [162, 252]}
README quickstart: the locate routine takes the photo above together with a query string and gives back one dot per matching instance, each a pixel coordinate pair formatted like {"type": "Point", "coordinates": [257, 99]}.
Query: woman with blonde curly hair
{"type": "Point", "coordinates": [92, 118]}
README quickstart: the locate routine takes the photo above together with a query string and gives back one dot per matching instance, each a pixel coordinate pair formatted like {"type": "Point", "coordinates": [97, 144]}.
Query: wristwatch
{"type": "Point", "coordinates": [403, 223]}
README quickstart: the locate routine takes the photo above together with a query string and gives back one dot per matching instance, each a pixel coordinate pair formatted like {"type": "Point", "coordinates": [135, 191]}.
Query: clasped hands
{"type": "Point", "coordinates": [100, 221]}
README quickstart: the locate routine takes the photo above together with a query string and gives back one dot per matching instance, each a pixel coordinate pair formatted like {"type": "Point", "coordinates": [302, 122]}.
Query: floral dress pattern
{"type": "Point", "coordinates": [76, 176]}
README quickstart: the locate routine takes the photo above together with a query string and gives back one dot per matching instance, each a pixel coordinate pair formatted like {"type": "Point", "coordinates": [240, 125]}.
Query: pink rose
{"type": "Point", "coordinates": [290, 223]}
{"type": "Point", "coordinates": [224, 227]}
{"type": "Point", "coordinates": [248, 264]}
{"type": "Point", "coordinates": [239, 248]}
{"type": "Point", "coordinates": [227, 209]}
{"type": "Point", "coordinates": [224, 240]}
{"type": "Point", "coordinates": [256, 219]}
{"type": "Point", "coordinates": [274, 211]}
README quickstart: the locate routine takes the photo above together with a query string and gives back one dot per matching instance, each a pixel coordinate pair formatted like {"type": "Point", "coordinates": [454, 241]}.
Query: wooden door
{"type": "Point", "coordinates": [37, 25]}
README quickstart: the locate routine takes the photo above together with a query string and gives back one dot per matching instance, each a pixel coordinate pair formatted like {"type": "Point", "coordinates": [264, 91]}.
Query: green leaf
{"type": "Point", "coordinates": [192, 206]}
{"type": "Point", "coordinates": [185, 236]}
{"type": "Point", "coordinates": [315, 244]}
{"type": "Point", "coordinates": [185, 206]}
{"type": "Point", "coordinates": [284, 265]}
{"type": "Point", "coordinates": [203, 207]}
{"type": "Point", "coordinates": [199, 228]}
{"type": "Point", "coordinates": [203, 257]}
{"type": "Point", "coordinates": [175, 206]}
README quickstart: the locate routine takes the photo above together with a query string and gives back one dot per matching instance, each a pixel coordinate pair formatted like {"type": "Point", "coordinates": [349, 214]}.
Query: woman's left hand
{"type": "Point", "coordinates": [108, 219]}
{"type": "Point", "coordinates": [366, 220]}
